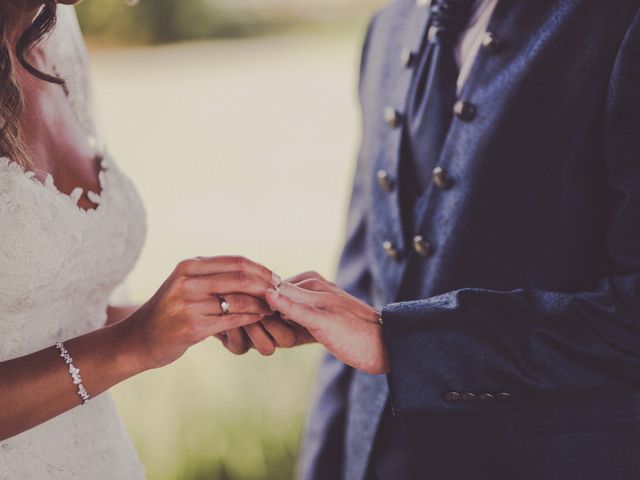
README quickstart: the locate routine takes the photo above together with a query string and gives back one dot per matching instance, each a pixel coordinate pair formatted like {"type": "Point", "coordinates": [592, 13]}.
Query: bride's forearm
{"type": "Point", "coordinates": [115, 314]}
{"type": "Point", "coordinates": [38, 387]}
{"type": "Point", "coordinates": [184, 311]}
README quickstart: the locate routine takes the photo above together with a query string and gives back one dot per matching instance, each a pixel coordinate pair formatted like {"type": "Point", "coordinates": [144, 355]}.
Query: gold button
{"type": "Point", "coordinates": [421, 246]}
{"type": "Point", "coordinates": [407, 57]}
{"type": "Point", "coordinates": [452, 397]}
{"type": "Point", "coordinates": [465, 111]}
{"type": "Point", "coordinates": [392, 117]}
{"type": "Point", "coordinates": [385, 181]}
{"type": "Point", "coordinates": [491, 42]}
{"type": "Point", "coordinates": [441, 178]}
{"type": "Point", "coordinates": [485, 397]}
{"type": "Point", "coordinates": [391, 250]}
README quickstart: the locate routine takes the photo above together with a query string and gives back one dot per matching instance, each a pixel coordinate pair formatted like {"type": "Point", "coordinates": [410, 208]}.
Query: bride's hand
{"type": "Point", "coordinates": [186, 309]}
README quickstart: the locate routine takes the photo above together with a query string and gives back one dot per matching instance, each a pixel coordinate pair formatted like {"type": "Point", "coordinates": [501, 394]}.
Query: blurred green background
{"type": "Point", "coordinates": [161, 21]}
{"type": "Point", "coordinates": [237, 121]}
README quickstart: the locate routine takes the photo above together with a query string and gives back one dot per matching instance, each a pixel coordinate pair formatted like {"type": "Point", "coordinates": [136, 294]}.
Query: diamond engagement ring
{"type": "Point", "coordinates": [224, 305]}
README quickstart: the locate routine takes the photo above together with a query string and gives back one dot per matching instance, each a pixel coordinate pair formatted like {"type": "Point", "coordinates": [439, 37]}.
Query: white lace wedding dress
{"type": "Point", "coordinates": [59, 265]}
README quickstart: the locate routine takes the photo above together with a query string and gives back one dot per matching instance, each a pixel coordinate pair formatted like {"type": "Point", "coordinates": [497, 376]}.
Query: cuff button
{"type": "Point", "coordinates": [468, 396]}
{"type": "Point", "coordinates": [452, 397]}
{"type": "Point", "coordinates": [503, 396]}
{"type": "Point", "coordinates": [484, 397]}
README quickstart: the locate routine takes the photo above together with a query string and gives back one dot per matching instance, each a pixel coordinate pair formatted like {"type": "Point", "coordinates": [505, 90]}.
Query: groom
{"type": "Point", "coordinates": [495, 221]}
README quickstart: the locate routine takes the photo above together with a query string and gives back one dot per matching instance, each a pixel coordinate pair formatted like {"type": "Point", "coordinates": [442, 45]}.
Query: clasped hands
{"type": "Point", "coordinates": [244, 304]}
{"type": "Point", "coordinates": [300, 310]}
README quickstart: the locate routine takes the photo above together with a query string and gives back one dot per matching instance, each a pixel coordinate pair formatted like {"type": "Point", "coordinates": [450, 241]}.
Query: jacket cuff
{"type": "Point", "coordinates": [432, 368]}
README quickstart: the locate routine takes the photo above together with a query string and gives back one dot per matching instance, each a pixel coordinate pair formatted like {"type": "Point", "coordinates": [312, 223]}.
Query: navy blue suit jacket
{"type": "Point", "coordinates": [514, 347]}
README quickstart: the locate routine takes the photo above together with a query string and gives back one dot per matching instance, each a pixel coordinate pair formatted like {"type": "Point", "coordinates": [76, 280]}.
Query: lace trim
{"type": "Point", "coordinates": [76, 193]}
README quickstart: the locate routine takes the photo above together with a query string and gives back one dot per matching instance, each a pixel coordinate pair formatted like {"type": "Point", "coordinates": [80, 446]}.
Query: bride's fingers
{"type": "Point", "coordinates": [262, 342]}
{"type": "Point", "coordinates": [282, 334]}
{"type": "Point", "coordinates": [216, 324]}
{"type": "Point", "coordinates": [238, 303]}
{"type": "Point", "coordinates": [236, 341]}
{"type": "Point", "coordinates": [225, 264]}
{"type": "Point", "coordinates": [227, 283]}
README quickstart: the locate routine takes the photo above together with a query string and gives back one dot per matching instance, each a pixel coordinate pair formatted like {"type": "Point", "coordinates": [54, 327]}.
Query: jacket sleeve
{"type": "Point", "coordinates": [321, 456]}
{"type": "Point", "coordinates": [531, 346]}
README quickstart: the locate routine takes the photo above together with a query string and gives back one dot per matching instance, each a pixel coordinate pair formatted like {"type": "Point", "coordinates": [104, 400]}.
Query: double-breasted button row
{"type": "Point", "coordinates": [420, 246]}
{"type": "Point", "coordinates": [453, 397]}
{"type": "Point", "coordinates": [465, 110]}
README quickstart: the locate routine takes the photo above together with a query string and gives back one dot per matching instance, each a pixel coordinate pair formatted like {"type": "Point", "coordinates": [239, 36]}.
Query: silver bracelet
{"type": "Point", "coordinates": [74, 372]}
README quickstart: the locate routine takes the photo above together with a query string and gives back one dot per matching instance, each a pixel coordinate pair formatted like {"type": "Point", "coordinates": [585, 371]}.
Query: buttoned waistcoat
{"type": "Point", "coordinates": [512, 310]}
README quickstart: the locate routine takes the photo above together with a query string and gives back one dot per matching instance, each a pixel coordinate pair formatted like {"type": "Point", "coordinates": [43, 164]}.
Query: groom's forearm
{"type": "Point", "coordinates": [482, 349]}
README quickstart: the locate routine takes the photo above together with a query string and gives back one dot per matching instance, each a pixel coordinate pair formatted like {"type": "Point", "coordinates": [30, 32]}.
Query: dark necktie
{"type": "Point", "coordinates": [433, 93]}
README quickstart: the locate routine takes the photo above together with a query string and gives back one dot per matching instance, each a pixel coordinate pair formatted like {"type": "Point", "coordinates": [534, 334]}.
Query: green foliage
{"type": "Point", "coordinates": [215, 416]}
{"type": "Point", "coordinates": [161, 21]}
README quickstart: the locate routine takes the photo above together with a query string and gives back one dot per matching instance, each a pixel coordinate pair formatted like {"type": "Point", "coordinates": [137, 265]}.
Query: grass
{"type": "Point", "coordinates": [214, 416]}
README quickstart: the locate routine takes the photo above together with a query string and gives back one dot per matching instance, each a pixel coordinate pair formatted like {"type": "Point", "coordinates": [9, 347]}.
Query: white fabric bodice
{"type": "Point", "coordinates": [59, 265]}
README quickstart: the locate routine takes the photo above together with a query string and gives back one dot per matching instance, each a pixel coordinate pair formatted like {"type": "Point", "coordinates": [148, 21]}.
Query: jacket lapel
{"type": "Point", "coordinates": [369, 392]}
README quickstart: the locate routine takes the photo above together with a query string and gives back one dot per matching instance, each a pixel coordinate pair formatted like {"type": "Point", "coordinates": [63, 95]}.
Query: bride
{"type": "Point", "coordinates": [71, 228]}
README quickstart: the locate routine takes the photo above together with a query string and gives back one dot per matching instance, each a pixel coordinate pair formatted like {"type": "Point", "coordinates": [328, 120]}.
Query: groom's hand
{"type": "Point", "coordinates": [271, 332]}
{"type": "Point", "coordinates": [347, 327]}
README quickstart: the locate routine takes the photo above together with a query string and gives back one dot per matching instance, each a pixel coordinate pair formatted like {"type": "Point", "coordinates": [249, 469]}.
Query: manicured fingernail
{"type": "Point", "coordinates": [274, 293]}
{"type": "Point", "coordinates": [277, 281]}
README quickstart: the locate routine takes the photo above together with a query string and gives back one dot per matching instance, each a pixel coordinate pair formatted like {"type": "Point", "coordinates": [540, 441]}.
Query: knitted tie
{"type": "Point", "coordinates": [433, 92]}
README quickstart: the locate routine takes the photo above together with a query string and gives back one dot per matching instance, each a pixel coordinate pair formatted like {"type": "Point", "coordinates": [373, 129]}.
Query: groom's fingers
{"type": "Point", "coordinates": [301, 313]}
{"type": "Point", "coordinates": [304, 276]}
{"type": "Point", "coordinates": [340, 298]}
{"type": "Point", "coordinates": [318, 299]}
{"type": "Point", "coordinates": [316, 285]}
